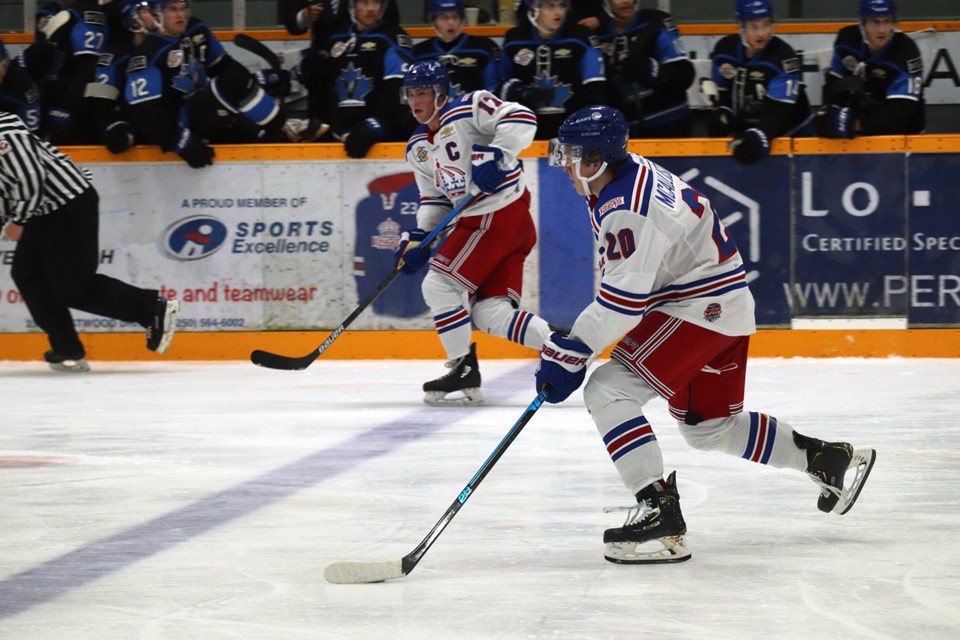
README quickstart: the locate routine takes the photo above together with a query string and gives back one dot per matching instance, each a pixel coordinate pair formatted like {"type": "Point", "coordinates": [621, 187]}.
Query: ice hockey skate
{"type": "Point", "coordinates": [654, 528]}
{"type": "Point", "coordinates": [66, 363]}
{"type": "Point", "coordinates": [463, 381]}
{"type": "Point", "coordinates": [828, 464]}
{"type": "Point", "coordinates": [160, 332]}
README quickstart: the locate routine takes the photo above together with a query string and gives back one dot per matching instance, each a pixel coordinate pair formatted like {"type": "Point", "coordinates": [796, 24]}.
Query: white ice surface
{"type": "Point", "coordinates": [203, 500]}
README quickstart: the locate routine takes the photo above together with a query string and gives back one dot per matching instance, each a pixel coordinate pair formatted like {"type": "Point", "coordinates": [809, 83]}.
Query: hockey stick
{"type": "Point", "coordinates": [279, 87]}
{"type": "Point", "coordinates": [363, 572]}
{"type": "Point", "coordinates": [294, 363]}
{"type": "Point", "coordinates": [258, 49]}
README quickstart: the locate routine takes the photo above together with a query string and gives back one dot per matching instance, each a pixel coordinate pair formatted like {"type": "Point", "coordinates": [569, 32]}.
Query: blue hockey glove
{"type": "Point", "coordinates": [563, 363]}
{"type": "Point", "coordinates": [193, 150]}
{"type": "Point", "coordinates": [834, 122]}
{"type": "Point", "coordinates": [750, 146]}
{"type": "Point", "coordinates": [486, 173]}
{"type": "Point", "coordinates": [411, 254]}
{"type": "Point", "coordinates": [363, 136]}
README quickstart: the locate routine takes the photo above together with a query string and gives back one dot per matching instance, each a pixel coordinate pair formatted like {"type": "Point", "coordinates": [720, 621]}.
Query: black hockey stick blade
{"type": "Point", "coordinates": [284, 363]}
{"type": "Point", "coordinates": [258, 49]}
{"type": "Point", "coordinates": [295, 363]}
{"type": "Point", "coordinates": [366, 572]}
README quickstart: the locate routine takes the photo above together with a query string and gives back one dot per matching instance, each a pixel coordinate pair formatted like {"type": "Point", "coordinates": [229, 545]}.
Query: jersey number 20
{"type": "Point", "coordinates": [698, 203]}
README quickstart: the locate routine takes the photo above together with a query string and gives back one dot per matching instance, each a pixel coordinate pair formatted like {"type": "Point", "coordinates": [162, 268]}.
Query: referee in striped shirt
{"type": "Point", "coordinates": [53, 212]}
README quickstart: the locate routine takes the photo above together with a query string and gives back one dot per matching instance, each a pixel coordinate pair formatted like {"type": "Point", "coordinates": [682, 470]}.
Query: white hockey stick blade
{"type": "Point", "coordinates": [861, 464]}
{"type": "Point", "coordinates": [363, 572]}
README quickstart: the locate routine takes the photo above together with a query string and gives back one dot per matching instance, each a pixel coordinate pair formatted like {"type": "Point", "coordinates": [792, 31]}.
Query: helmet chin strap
{"type": "Point", "coordinates": [586, 181]}
{"type": "Point", "coordinates": [438, 102]}
{"type": "Point", "coordinates": [533, 15]}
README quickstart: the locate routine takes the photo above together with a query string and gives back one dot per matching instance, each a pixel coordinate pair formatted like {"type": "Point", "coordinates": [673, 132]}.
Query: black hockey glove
{"type": "Point", "coordinates": [118, 137]}
{"type": "Point", "coordinates": [642, 68]}
{"type": "Point", "coordinates": [275, 83]}
{"type": "Point", "coordinates": [193, 150]}
{"type": "Point", "coordinates": [834, 122]}
{"type": "Point", "coordinates": [750, 146]}
{"type": "Point", "coordinates": [721, 122]}
{"type": "Point", "coordinates": [846, 92]}
{"type": "Point", "coordinates": [411, 254]}
{"type": "Point", "coordinates": [533, 97]}
{"type": "Point", "coordinates": [363, 136]}
{"type": "Point", "coordinates": [59, 118]}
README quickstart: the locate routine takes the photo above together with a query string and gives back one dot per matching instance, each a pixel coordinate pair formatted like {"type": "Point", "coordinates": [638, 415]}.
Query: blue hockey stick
{"type": "Point", "coordinates": [360, 572]}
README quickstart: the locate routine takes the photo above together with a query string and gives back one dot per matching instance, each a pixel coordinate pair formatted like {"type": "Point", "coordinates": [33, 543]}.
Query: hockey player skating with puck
{"type": "Point", "coordinates": [467, 148]}
{"type": "Point", "coordinates": [673, 285]}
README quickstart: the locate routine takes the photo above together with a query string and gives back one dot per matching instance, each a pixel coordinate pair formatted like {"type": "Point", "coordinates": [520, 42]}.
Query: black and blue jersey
{"type": "Point", "coordinates": [472, 61]}
{"type": "Point", "coordinates": [648, 100]}
{"type": "Point", "coordinates": [891, 100]}
{"type": "Point", "coordinates": [364, 75]}
{"type": "Point", "coordinates": [558, 76]}
{"type": "Point", "coordinates": [765, 91]}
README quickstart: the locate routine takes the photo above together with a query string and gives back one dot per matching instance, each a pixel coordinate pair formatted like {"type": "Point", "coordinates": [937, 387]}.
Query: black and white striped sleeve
{"type": "Point", "coordinates": [21, 169]}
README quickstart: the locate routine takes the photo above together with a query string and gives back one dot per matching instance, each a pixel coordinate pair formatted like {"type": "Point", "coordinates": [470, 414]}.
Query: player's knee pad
{"type": "Point", "coordinates": [493, 315]}
{"type": "Point", "coordinates": [237, 90]}
{"type": "Point", "coordinates": [442, 293]}
{"type": "Point", "coordinates": [709, 435]}
{"type": "Point", "coordinates": [611, 382]}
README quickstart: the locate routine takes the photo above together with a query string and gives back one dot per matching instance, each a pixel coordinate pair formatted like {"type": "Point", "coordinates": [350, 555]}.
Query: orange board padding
{"type": "Point", "coordinates": [424, 345]}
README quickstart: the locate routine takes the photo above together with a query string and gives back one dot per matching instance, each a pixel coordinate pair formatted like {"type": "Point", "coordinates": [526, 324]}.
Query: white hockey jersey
{"type": "Point", "coordinates": [441, 160]}
{"type": "Point", "coordinates": [662, 247]}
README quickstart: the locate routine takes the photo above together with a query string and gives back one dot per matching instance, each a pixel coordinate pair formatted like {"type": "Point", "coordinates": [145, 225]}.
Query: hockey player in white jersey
{"type": "Point", "coordinates": [467, 148]}
{"type": "Point", "coordinates": [673, 295]}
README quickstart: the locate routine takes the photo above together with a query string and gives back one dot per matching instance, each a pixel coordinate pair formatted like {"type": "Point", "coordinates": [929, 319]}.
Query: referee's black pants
{"type": "Point", "coordinates": [55, 269]}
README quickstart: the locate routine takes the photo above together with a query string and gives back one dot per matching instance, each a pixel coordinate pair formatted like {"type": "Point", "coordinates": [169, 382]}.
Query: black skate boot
{"type": "Point", "coordinates": [160, 332]}
{"type": "Point", "coordinates": [827, 464]}
{"type": "Point", "coordinates": [654, 528]}
{"type": "Point", "coordinates": [464, 376]}
{"type": "Point", "coordinates": [67, 362]}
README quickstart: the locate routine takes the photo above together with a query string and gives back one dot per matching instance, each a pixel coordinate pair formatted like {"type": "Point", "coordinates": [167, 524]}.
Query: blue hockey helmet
{"type": "Point", "coordinates": [130, 14]}
{"type": "Point", "coordinates": [595, 134]}
{"type": "Point", "coordinates": [156, 8]}
{"type": "Point", "coordinates": [608, 8]}
{"type": "Point", "coordinates": [4, 54]}
{"type": "Point", "coordinates": [353, 9]}
{"type": "Point", "coordinates": [877, 9]}
{"type": "Point", "coordinates": [444, 6]}
{"type": "Point", "coordinates": [533, 8]}
{"type": "Point", "coordinates": [753, 10]}
{"type": "Point", "coordinates": [428, 73]}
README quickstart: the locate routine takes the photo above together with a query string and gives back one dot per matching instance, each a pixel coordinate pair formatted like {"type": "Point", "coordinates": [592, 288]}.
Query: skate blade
{"type": "Point", "coordinates": [660, 551]}
{"type": "Point", "coordinates": [70, 366]}
{"type": "Point", "coordinates": [861, 463]}
{"type": "Point", "coordinates": [169, 325]}
{"type": "Point", "coordinates": [469, 398]}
